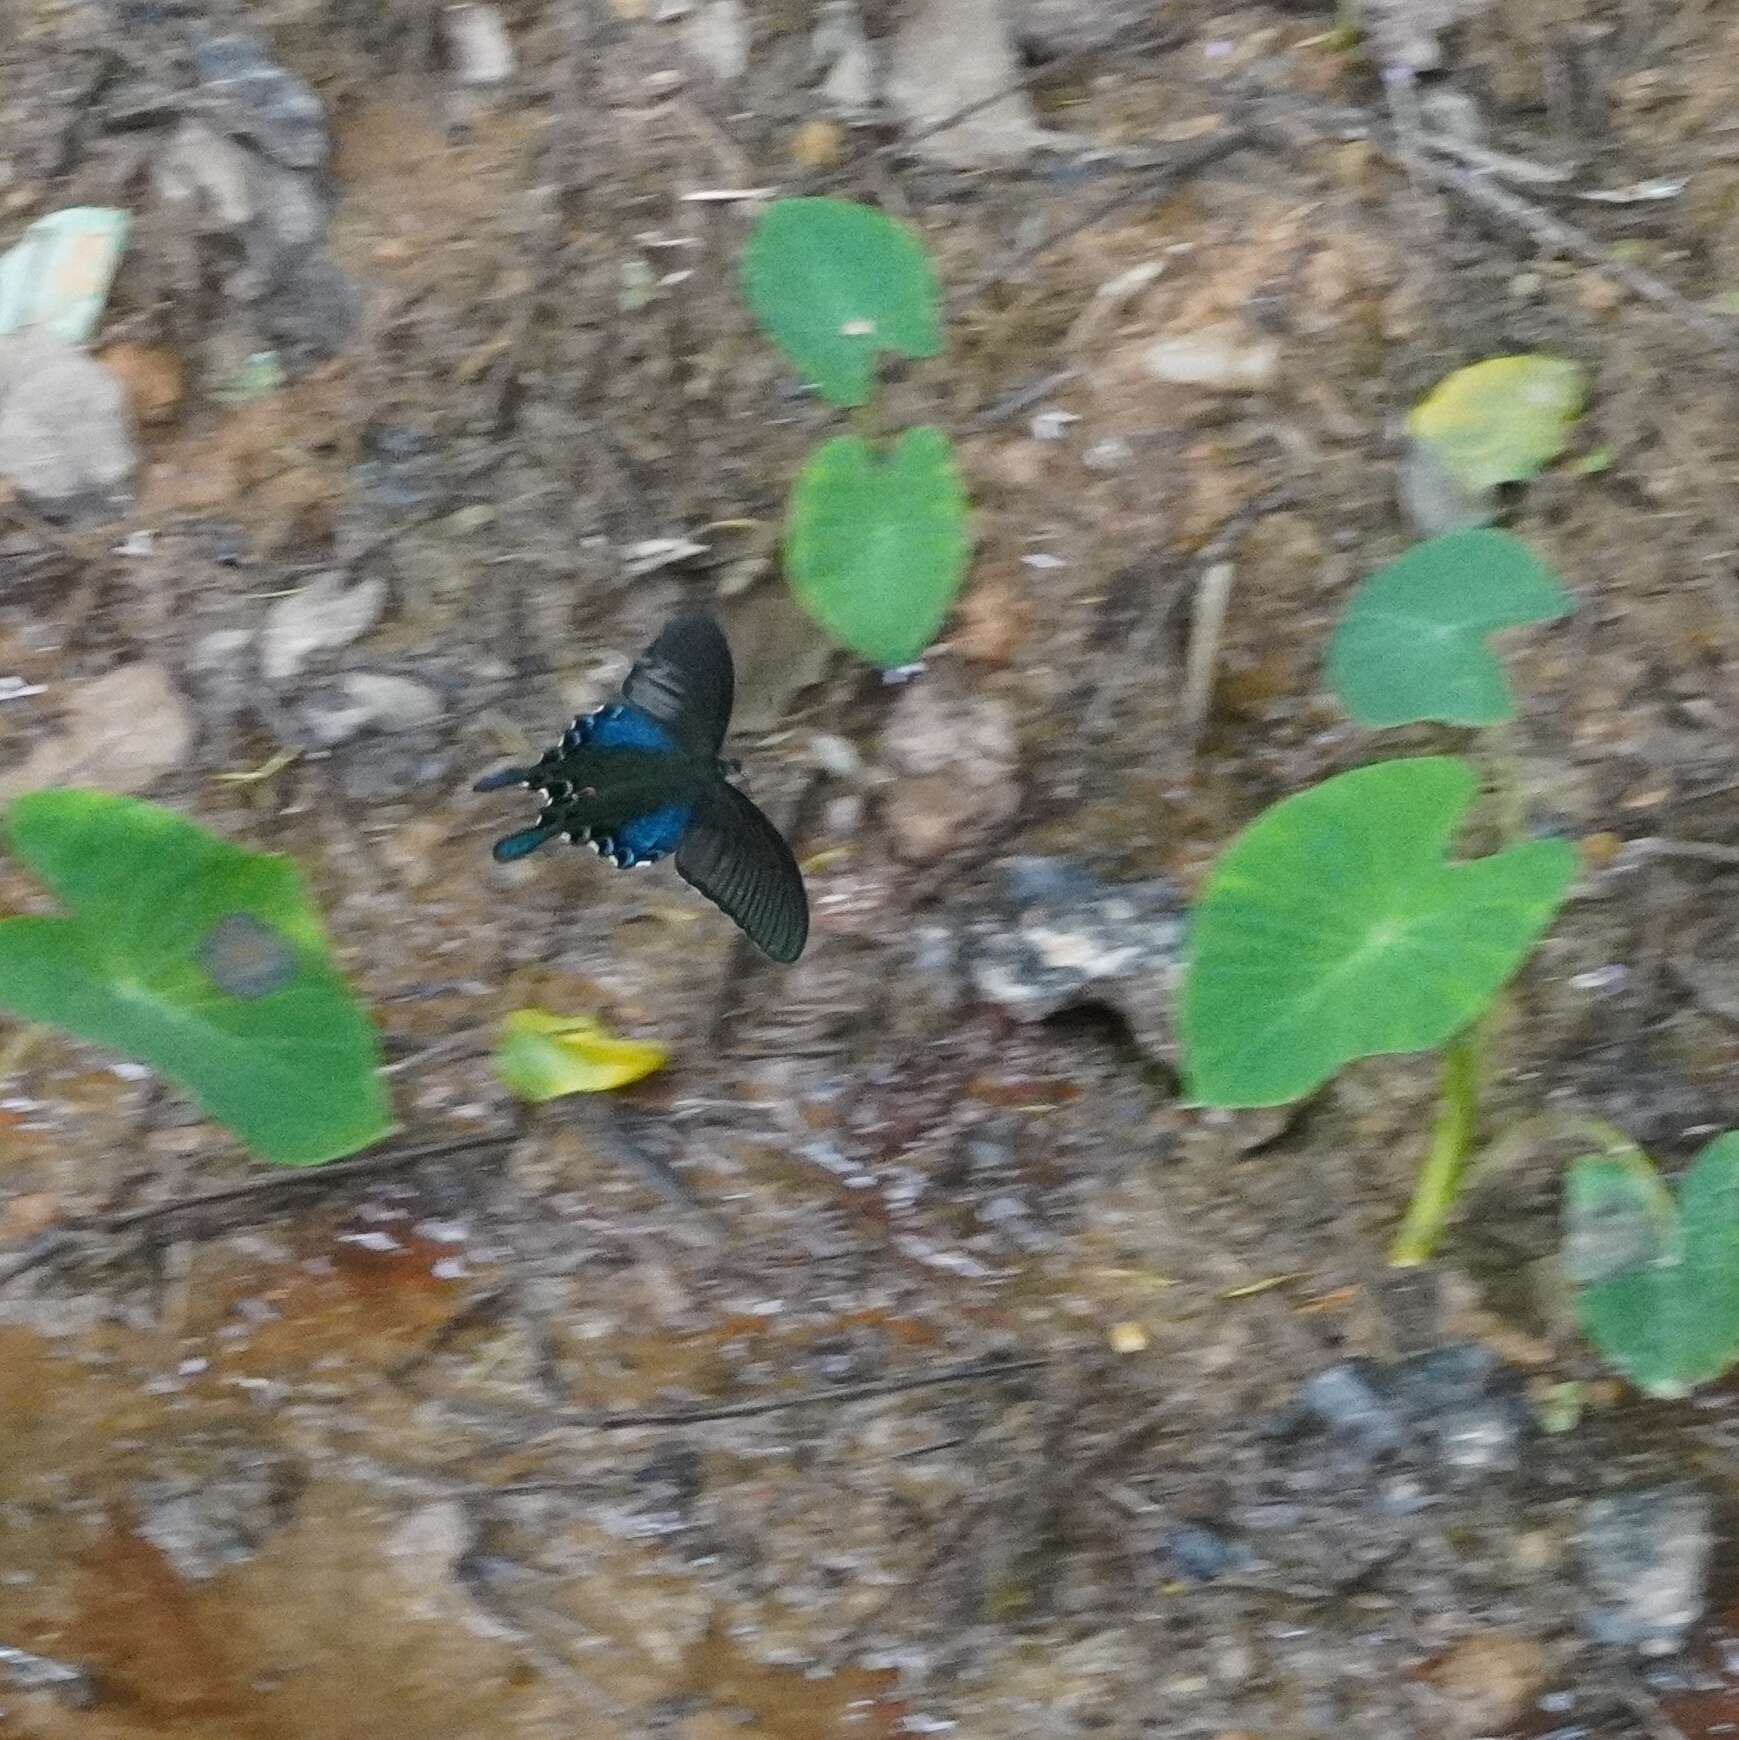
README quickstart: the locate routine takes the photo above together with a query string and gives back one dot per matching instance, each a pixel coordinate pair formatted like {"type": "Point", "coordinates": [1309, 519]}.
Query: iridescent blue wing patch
{"type": "Point", "coordinates": [740, 862]}
{"type": "Point", "coordinates": [646, 838]}
{"type": "Point", "coordinates": [619, 726]}
{"type": "Point", "coordinates": [685, 681]}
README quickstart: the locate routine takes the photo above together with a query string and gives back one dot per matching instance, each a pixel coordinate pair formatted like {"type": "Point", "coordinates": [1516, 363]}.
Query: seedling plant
{"type": "Point", "coordinates": [1335, 926]}
{"type": "Point", "coordinates": [875, 541]}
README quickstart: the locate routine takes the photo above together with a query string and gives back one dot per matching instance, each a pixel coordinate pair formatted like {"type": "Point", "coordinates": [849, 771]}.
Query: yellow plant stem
{"type": "Point", "coordinates": [1440, 1177]}
{"type": "Point", "coordinates": [1439, 1180]}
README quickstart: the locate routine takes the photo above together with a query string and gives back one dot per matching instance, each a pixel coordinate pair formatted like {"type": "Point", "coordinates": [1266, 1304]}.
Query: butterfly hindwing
{"type": "Point", "coordinates": [740, 862]}
{"type": "Point", "coordinates": [685, 682]}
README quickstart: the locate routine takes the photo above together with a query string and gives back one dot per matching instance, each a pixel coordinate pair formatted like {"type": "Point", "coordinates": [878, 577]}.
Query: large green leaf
{"type": "Point", "coordinates": [1331, 928]}
{"type": "Point", "coordinates": [1502, 420]}
{"type": "Point", "coordinates": [1657, 1287]}
{"type": "Point", "coordinates": [876, 548]}
{"type": "Point", "coordinates": [834, 283]}
{"type": "Point", "coordinates": [199, 958]}
{"type": "Point", "coordinates": [1411, 644]}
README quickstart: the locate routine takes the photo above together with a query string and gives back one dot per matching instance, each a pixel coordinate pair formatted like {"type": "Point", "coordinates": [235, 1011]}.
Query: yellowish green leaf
{"type": "Point", "coordinates": [1502, 420]}
{"type": "Point", "coordinates": [541, 1056]}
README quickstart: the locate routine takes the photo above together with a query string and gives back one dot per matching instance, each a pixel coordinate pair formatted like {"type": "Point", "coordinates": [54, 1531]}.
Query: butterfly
{"type": "Point", "coordinates": [641, 777]}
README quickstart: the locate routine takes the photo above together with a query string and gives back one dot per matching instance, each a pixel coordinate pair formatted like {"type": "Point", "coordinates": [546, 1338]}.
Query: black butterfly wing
{"type": "Point", "coordinates": [740, 862]}
{"type": "Point", "coordinates": [685, 681]}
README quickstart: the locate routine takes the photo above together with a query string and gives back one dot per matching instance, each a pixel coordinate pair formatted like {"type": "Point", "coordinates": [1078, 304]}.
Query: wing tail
{"type": "Point", "coordinates": [506, 777]}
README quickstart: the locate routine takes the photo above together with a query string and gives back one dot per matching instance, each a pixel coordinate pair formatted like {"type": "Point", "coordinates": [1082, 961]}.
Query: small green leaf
{"type": "Point", "coordinates": [833, 283]}
{"type": "Point", "coordinates": [1657, 1286]}
{"type": "Point", "coordinates": [541, 1056]}
{"type": "Point", "coordinates": [1411, 644]}
{"type": "Point", "coordinates": [876, 548]}
{"type": "Point", "coordinates": [1502, 420]}
{"type": "Point", "coordinates": [200, 959]}
{"type": "Point", "coordinates": [257, 375]}
{"type": "Point", "coordinates": [1331, 928]}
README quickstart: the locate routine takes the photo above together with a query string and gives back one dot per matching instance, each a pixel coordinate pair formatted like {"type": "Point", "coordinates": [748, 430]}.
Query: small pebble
{"type": "Point", "coordinates": [818, 144]}
{"type": "Point", "coordinates": [1645, 1561]}
{"type": "Point", "coordinates": [1222, 358]}
{"type": "Point", "coordinates": [477, 40]}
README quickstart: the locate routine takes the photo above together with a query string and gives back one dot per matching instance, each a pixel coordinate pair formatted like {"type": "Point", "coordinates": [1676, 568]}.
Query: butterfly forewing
{"type": "Point", "coordinates": [740, 862]}
{"type": "Point", "coordinates": [684, 680]}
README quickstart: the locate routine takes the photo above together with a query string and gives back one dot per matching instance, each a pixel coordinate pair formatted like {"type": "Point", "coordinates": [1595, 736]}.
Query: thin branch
{"type": "Point", "coordinates": [973, 1371]}
{"type": "Point", "coordinates": [364, 1165]}
{"type": "Point", "coordinates": [1061, 67]}
{"type": "Point", "coordinates": [57, 1241]}
{"type": "Point", "coordinates": [1189, 161]}
{"type": "Point", "coordinates": [1553, 232]}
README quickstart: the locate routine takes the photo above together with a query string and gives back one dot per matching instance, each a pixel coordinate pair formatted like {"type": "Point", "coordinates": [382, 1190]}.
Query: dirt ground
{"type": "Point", "coordinates": [496, 1435]}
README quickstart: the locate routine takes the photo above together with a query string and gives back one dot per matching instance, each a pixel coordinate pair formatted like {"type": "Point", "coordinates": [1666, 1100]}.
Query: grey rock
{"type": "Point", "coordinates": [220, 650]}
{"type": "Point", "coordinates": [1350, 1402]}
{"type": "Point", "coordinates": [1047, 28]}
{"type": "Point", "coordinates": [66, 434]}
{"type": "Point", "coordinates": [1201, 1554]}
{"type": "Point", "coordinates": [840, 46]}
{"type": "Point", "coordinates": [200, 165]}
{"type": "Point", "coordinates": [400, 472]}
{"type": "Point", "coordinates": [123, 732]}
{"type": "Point", "coordinates": [279, 216]}
{"type": "Point", "coordinates": [1223, 358]}
{"type": "Point", "coordinates": [1645, 1562]}
{"type": "Point", "coordinates": [207, 1520]}
{"type": "Point", "coordinates": [1056, 937]}
{"type": "Point", "coordinates": [394, 703]}
{"type": "Point", "coordinates": [478, 46]}
{"type": "Point", "coordinates": [291, 213]}
{"type": "Point", "coordinates": [361, 701]}
{"type": "Point", "coordinates": [1452, 114]}
{"type": "Point", "coordinates": [310, 314]}
{"type": "Point", "coordinates": [250, 95]}
{"type": "Point", "coordinates": [1452, 1416]}
{"type": "Point", "coordinates": [1405, 33]}
{"type": "Point", "coordinates": [324, 614]}
{"type": "Point", "coordinates": [716, 33]}
{"type": "Point", "coordinates": [1435, 500]}
{"type": "Point", "coordinates": [382, 729]}
{"type": "Point", "coordinates": [428, 1546]}
{"type": "Point", "coordinates": [955, 756]}
{"type": "Point", "coordinates": [72, 1685]}
{"type": "Point", "coordinates": [377, 768]}
{"type": "Point", "coordinates": [955, 55]}
{"type": "Point", "coordinates": [1465, 1407]}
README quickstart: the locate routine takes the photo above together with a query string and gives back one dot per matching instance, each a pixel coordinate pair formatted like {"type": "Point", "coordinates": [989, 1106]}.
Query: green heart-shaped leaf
{"type": "Point", "coordinates": [1502, 420]}
{"type": "Point", "coordinates": [876, 548]}
{"type": "Point", "coordinates": [1657, 1286]}
{"type": "Point", "coordinates": [1331, 928]}
{"type": "Point", "coordinates": [1411, 644]}
{"type": "Point", "coordinates": [200, 959]}
{"type": "Point", "coordinates": [833, 283]}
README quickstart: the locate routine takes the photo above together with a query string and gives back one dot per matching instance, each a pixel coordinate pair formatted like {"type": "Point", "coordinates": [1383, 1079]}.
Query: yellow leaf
{"type": "Point", "coordinates": [1502, 420]}
{"type": "Point", "coordinates": [541, 1056]}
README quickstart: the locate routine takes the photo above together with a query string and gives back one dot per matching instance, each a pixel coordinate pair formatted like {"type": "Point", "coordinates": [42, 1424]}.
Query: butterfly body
{"type": "Point", "coordinates": [642, 777]}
